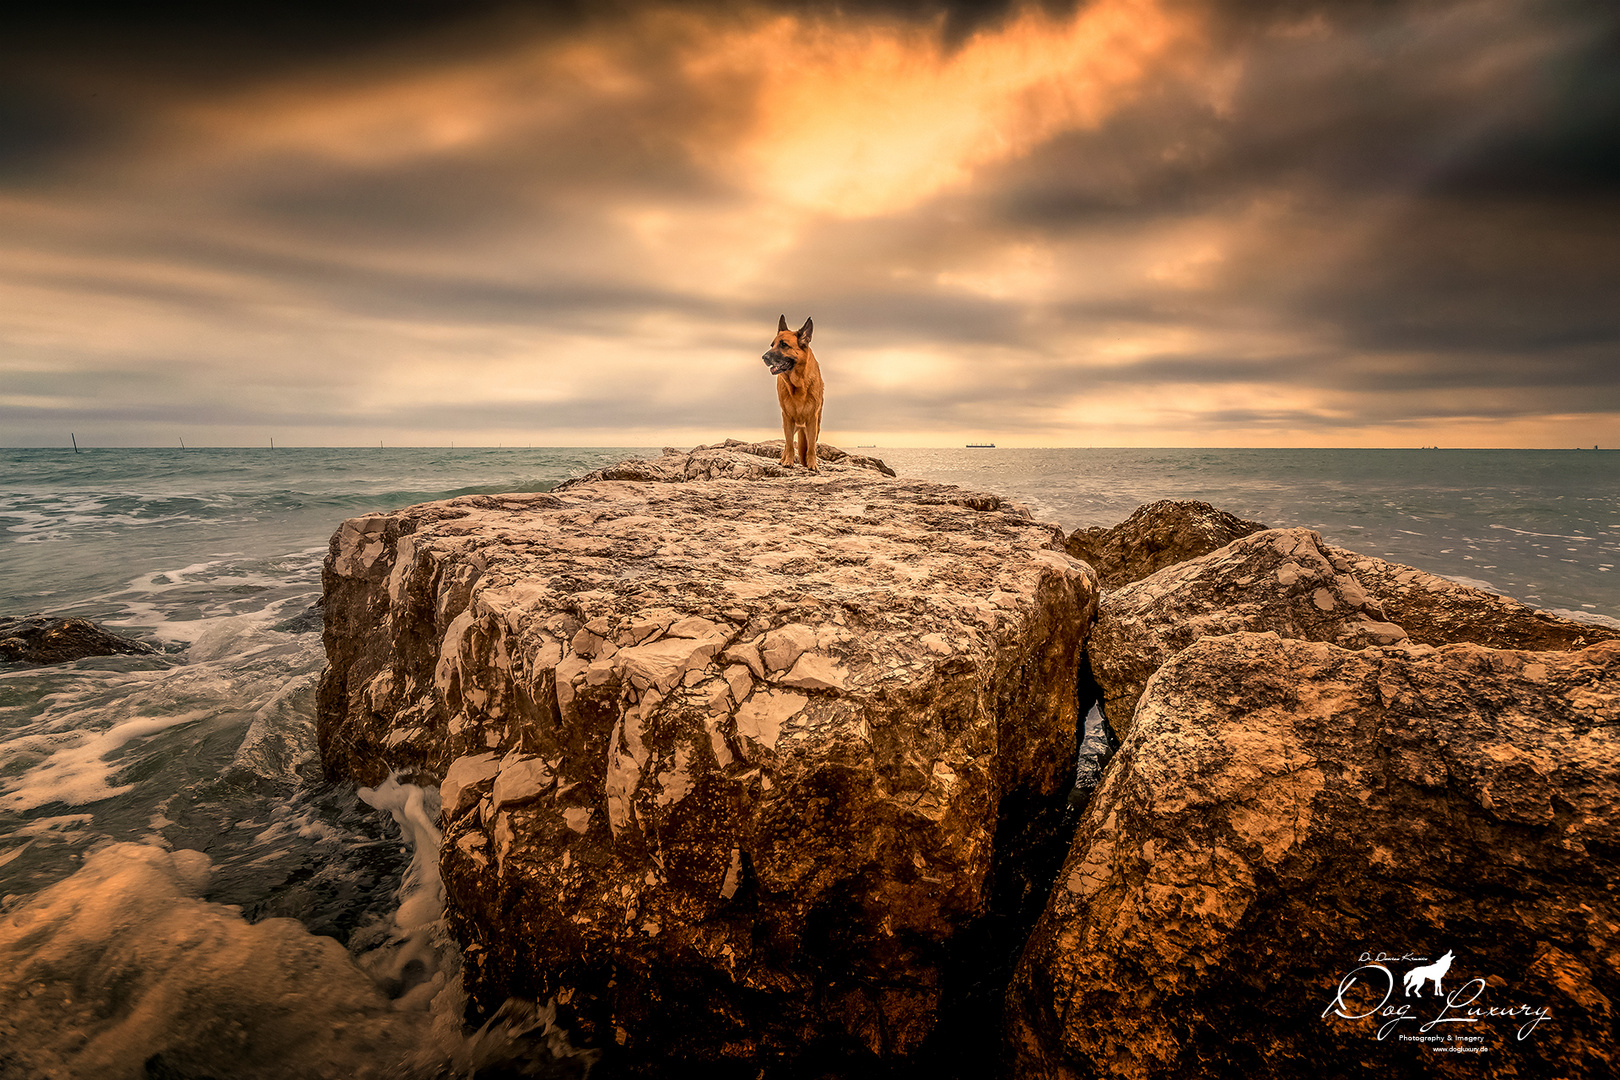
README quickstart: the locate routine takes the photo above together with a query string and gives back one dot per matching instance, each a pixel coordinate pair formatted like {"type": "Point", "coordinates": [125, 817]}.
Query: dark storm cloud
{"type": "Point", "coordinates": [38, 128]}
{"type": "Point", "coordinates": [1453, 192]}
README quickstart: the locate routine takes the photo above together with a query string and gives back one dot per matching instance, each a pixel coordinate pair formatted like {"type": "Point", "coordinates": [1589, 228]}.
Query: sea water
{"type": "Point", "coordinates": [184, 894]}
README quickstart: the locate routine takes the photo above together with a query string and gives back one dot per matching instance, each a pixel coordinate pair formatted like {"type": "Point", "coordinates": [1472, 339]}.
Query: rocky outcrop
{"type": "Point", "coordinates": [731, 460]}
{"type": "Point", "coordinates": [40, 639]}
{"type": "Point", "coordinates": [1286, 815]}
{"type": "Point", "coordinates": [1436, 610]}
{"type": "Point", "coordinates": [1155, 536]}
{"type": "Point", "coordinates": [772, 448]}
{"type": "Point", "coordinates": [739, 764]}
{"type": "Point", "coordinates": [1289, 582]}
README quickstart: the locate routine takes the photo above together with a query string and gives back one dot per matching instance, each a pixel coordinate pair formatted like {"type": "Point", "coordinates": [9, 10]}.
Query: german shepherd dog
{"type": "Point", "coordinates": [799, 390]}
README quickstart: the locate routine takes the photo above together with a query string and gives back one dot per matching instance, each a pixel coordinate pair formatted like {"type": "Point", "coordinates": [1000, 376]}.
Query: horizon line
{"type": "Point", "coordinates": [81, 448]}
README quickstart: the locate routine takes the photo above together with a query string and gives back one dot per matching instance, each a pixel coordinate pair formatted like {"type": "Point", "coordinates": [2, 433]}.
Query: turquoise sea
{"type": "Point", "coordinates": [208, 747]}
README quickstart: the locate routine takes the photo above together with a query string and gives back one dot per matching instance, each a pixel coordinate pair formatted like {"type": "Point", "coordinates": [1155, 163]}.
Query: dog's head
{"type": "Point", "coordinates": [788, 347]}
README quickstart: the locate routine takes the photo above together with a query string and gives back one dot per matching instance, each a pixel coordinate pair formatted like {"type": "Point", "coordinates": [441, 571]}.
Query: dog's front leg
{"type": "Point", "coordinates": [787, 440]}
{"type": "Point", "coordinates": [812, 432]}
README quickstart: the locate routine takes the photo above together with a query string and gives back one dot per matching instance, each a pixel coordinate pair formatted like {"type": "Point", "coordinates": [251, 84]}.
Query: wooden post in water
{"type": "Point", "coordinates": [75, 439]}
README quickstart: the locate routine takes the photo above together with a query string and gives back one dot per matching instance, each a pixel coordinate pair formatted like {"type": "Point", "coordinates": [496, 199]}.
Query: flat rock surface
{"type": "Point", "coordinates": [1156, 535]}
{"type": "Point", "coordinates": [1286, 812]}
{"type": "Point", "coordinates": [733, 755]}
{"type": "Point", "coordinates": [731, 460]}
{"type": "Point", "coordinates": [772, 448]}
{"type": "Point", "coordinates": [1289, 582]}
{"type": "Point", "coordinates": [42, 639]}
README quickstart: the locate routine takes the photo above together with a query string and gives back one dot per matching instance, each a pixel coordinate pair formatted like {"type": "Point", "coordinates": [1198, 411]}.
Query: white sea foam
{"type": "Point", "coordinates": [123, 963]}
{"type": "Point", "coordinates": [75, 770]}
{"type": "Point", "coordinates": [201, 604]}
{"type": "Point", "coordinates": [53, 826]}
{"type": "Point", "coordinates": [413, 954]}
{"type": "Point", "coordinates": [124, 969]}
{"type": "Point", "coordinates": [7, 856]}
{"type": "Point", "coordinates": [1471, 582]}
{"type": "Point", "coordinates": [281, 739]}
{"type": "Point", "coordinates": [74, 740]}
{"type": "Point", "coordinates": [1542, 535]}
{"type": "Point", "coordinates": [62, 517]}
{"type": "Point", "coordinates": [1596, 618]}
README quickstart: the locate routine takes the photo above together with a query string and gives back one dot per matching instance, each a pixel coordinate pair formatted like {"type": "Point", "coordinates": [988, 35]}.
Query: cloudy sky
{"type": "Point", "coordinates": [1127, 222]}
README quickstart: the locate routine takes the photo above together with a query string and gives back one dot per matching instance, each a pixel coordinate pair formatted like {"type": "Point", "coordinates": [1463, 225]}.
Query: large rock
{"type": "Point", "coordinates": [41, 639]}
{"type": "Point", "coordinates": [1436, 610]}
{"type": "Point", "coordinates": [737, 769]}
{"type": "Point", "coordinates": [1285, 812]}
{"type": "Point", "coordinates": [1155, 536]}
{"type": "Point", "coordinates": [1289, 582]}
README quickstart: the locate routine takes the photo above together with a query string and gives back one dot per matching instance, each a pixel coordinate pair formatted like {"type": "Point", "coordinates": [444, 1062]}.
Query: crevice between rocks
{"type": "Point", "coordinates": [967, 1042]}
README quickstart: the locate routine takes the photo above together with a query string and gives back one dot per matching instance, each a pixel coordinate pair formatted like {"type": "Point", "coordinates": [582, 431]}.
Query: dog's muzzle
{"type": "Point", "coordinates": [777, 362]}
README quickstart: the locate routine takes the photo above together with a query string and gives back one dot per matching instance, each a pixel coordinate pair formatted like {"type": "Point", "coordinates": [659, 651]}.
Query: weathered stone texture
{"type": "Point", "coordinates": [1436, 611]}
{"type": "Point", "coordinates": [731, 460]}
{"type": "Point", "coordinates": [732, 755]}
{"type": "Point", "coordinates": [1155, 536]}
{"type": "Point", "coordinates": [42, 639]}
{"type": "Point", "coordinates": [1289, 582]}
{"type": "Point", "coordinates": [772, 448]}
{"type": "Point", "coordinates": [1283, 807]}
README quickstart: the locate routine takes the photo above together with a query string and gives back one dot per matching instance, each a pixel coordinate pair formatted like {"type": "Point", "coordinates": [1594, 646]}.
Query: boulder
{"type": "Point", "coordinates": [1294, 835]}
{"type": "Point", "coordinates": [40, 639]}
{"type": "Point", "coordinates": [744, 767]}
{"type": "Point", "coordinates": [1155, 536]}
{"type": "Point", "coordinates": [1436, 610]}
{"type": "Point", "coordinates": [1289, 582]}
{"type": "Point", "coordinates": [1280, 580]}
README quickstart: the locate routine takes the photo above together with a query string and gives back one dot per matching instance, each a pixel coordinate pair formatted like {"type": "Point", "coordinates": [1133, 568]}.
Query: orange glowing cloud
{"type": "Point", "coordinates": [845, 115]}
{"type": "Point", "coordinates": [859, 119]}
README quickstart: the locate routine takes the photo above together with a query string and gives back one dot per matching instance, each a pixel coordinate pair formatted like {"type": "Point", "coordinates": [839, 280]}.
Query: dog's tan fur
{"type": "Point", "coordinates": [799, 391]}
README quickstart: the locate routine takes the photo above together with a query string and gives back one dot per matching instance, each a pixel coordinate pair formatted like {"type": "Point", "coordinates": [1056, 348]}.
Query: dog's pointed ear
{"type": "Point", "coordinates": [804, 333]}
{"type": "Point", "coordinates": [781, 323]}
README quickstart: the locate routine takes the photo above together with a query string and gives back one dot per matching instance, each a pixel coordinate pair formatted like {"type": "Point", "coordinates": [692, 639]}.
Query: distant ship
{"type": "Point", "coordinates": [981, 446]}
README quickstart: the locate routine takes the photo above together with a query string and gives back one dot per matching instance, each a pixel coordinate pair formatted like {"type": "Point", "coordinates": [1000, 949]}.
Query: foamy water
{"type": "Point", "coordinates": [124, 970]}
{"type": "Point", "coordinates": [182, 893]}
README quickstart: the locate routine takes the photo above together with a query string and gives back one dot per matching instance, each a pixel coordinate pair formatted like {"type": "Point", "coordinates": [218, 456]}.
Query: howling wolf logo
{"type": "Point", "coordinates": [1429, 973]}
